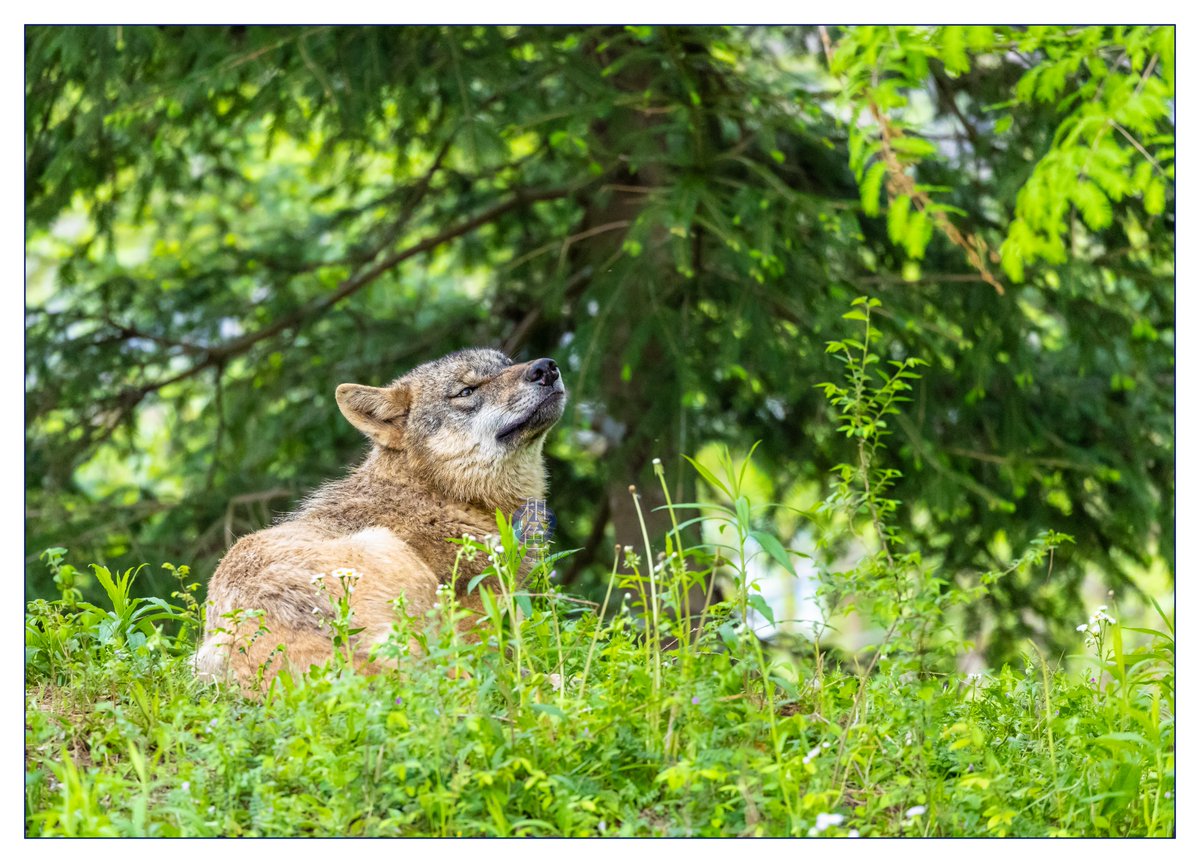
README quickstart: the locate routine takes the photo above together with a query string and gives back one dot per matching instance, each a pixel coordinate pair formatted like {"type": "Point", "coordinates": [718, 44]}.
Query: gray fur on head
{"type": "Point", "coordinates": [472, 423]}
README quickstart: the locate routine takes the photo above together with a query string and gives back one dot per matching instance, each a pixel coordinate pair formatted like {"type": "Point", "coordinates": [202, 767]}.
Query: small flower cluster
{"type": "Point", "coordinates": [495, 550]}
{"type": "Point", "coordinates": [443, 592]}
{"type": "Point", "coordinates": [815, 751]}
{"type": "Point", "coordinates": [825, 820]}
{"type": "Point", "coordinates": [1094, 629]}
{"type": "Point", "coordinates": [469, 548]}
{"type": "Point", "coordinates": [318, 581]}
{"type": "Point", "coordinates": [664, 561]}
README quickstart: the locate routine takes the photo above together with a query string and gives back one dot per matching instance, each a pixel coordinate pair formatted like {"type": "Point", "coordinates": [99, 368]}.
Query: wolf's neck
{"type": "Point", "coordinates": [497, 485]}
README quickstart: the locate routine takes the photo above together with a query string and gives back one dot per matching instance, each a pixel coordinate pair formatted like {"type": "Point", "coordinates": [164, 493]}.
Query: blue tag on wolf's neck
{"type": "Point", "coordinates": [534, 522]}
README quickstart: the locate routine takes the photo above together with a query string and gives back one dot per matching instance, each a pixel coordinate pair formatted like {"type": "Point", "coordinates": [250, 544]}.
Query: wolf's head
{"type": "Point", "coordinates": [471, 423]}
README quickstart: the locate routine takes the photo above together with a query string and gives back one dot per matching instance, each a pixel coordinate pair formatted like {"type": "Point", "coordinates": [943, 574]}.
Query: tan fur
{"type": "Point", "coordinates": [440, 466]}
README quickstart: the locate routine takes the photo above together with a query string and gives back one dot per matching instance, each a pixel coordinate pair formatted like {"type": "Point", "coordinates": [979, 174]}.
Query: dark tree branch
{"type": "Point", "coordinates": [126, 332]}
{"type": "Point", "coordinates": [946, 88]}
{"type": "Point", "coordinates": [127, 400]}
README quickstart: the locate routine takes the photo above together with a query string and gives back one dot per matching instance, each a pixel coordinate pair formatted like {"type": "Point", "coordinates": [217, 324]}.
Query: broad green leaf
{"type": "Point", "coordinates": [760, 605]}
{"type": "Point", "coordinates": [774, 547]}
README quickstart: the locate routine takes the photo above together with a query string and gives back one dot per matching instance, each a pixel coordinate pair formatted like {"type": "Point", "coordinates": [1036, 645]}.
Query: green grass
{"type": "Point", "coordinates": [686, 741]}
{"type": "Point", "coordinates": [569, 720]}
{"type": "Point", "coordinates": [559, 723]}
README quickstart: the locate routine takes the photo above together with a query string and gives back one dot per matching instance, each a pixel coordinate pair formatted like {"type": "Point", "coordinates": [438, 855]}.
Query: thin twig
{"type": "Point", "coordinates": [1137, 144]}
{"type": "Point", "coordinates": [563, 598]}
{"type": "Point", "coordinates": [827, 45]}
{"type": "Point", "coordinates": [900, 183]}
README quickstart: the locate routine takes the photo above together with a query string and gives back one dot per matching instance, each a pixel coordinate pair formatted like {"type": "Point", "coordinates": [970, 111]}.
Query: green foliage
{"type": "Point", "coordinates": [225, 223]}
{"type": "Point", "coordinates": [1112, 92]}
{"type": "Point", "coordinates": [68, 634]}
{"type": "Point", "coordinates": [561, 720]}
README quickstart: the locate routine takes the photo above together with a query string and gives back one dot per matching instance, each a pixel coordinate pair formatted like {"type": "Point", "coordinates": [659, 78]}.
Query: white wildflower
{"type": "Point", "coordinates": [1101, 615]}
{"type": "Point", "coordinates": [602, 826]}
{"type": "Point", "coordinates": [914, 811]}
{"type": "Point", "coordinates": [1081, 628]}
{"type": "Point", "coordinates": [812, 753]}
{"type": "Point", "coordinates": [853, 834]}
{"type": "Point", "coordinates": [825, 820]}
{"type": "Point", "coordinates": [319, 578]}
{"type": "Point", "coordinates": [186, 787]}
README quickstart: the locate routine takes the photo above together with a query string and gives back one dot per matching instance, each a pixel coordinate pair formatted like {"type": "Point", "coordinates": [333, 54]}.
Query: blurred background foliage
{"type": "Point", "coordinates": [224, 223]}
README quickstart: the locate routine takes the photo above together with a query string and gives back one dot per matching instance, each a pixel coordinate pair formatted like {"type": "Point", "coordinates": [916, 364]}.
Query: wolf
{"type": "Point", "coordinates": [452, 441]}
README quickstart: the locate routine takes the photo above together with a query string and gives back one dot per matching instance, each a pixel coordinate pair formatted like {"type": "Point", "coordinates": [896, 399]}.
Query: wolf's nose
{"type": "Point", "coordinates": [543, 372]}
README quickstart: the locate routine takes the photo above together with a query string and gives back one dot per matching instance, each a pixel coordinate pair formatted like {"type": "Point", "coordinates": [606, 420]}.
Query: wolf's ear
{"type": "Point", "coordinates": [375, 411]}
